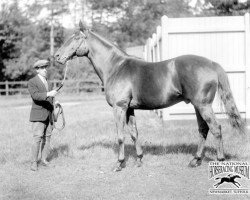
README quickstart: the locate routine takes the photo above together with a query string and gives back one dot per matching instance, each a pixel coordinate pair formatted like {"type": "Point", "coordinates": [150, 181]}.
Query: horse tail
{"type": "Point", "coordinates": [227, 98]}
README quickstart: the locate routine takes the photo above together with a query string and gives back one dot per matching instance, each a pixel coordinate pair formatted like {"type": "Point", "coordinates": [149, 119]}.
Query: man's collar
{"type": "Point", "coordinates": [41, 77]}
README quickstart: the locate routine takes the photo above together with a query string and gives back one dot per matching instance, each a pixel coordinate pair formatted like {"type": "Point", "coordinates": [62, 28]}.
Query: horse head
{"type": "Point", "coordinates": [76, 45]}
{"type": "Point", "coordinates": [236, 176]}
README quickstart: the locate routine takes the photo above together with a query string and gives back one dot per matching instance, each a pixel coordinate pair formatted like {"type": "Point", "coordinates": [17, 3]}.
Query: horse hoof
{"type": "Point", "coordinates": [138, 160]}
{"type": "Point", "coordinates": [138, 163]}
{"type": "Point", "coordinates": [117, 169]}
{"type": "Point", "coordinates": [195, 162]}
{"type": "Point", "coordinates": [119, 166]}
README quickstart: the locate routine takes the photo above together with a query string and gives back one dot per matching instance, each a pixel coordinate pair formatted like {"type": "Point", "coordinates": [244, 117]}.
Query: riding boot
{"type": "Point", "coordinates": [45, 150]}
{"type": "Point", "coordinates": [34, 155]}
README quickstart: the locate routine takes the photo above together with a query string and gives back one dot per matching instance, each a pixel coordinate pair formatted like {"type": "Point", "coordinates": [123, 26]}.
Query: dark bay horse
{"type": "Point", "coordinates": [131, 83]}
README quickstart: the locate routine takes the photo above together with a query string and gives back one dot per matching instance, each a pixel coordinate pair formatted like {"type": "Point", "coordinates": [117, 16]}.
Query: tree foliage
{"type": "Point", "coordinates": [55, 8]}
{"type": "Point", "coordinates": [136, 19]}
{"type": "Point", "coordinates": [22, 42]}
{"type": "Point", "coordinates": [12, 31]}
{"type": "Point", "coordinates": [226, 7]}
{"type": "Point", "coordinates": [26, 37]}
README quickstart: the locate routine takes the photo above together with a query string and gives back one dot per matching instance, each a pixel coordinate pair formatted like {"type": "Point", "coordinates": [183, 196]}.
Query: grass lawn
{"type": "Point", "coordinates": [85, 152]}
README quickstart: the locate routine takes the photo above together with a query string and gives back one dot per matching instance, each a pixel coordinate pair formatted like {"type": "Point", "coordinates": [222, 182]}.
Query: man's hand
{"type": "Point", "coordinates": [57, 102]}
{"type": "Point", "coordinates": [52, 93]}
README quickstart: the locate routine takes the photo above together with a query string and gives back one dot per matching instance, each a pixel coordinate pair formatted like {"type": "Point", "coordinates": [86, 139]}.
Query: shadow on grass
{"type": "Point", "coordinates": [156, 149]}
{"type": "Point", "coordinates": [3, 160]}
{"type": "Point", "coordinates": [62, 149]}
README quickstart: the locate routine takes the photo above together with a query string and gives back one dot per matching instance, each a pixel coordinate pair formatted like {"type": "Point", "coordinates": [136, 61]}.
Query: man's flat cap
{"type": "Point", "coordinates": [41, 63]}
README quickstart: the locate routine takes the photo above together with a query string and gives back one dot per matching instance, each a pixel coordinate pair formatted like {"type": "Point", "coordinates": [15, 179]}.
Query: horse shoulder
{"type": "Point", "coordinates": [118, 87]}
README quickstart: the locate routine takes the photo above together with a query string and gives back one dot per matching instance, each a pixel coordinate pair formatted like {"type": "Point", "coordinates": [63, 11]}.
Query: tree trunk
{"type": "Point", "coordinates": [52, 35]}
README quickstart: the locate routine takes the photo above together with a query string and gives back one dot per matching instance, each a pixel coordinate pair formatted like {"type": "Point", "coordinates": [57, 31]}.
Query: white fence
{"type": "Point", "coordinates": [225, 40]}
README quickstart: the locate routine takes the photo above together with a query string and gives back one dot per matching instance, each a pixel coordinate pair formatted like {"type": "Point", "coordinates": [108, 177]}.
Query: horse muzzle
{"type": "Point", "coordinates": [60, 59]}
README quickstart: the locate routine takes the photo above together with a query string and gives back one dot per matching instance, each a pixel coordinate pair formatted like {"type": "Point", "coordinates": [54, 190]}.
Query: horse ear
{"type": "Point", "coordinates": [82, 27]}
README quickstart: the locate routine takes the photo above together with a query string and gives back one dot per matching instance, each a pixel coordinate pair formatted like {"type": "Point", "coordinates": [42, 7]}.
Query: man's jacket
{"type": "Point", "coordinates": [42, 106]}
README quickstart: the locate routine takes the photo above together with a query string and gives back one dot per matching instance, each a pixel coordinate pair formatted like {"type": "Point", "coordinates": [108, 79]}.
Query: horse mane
{"type": "Point", "coordinates": [114, 53]}
{"type": "Point", "coordinates": [110, 45]}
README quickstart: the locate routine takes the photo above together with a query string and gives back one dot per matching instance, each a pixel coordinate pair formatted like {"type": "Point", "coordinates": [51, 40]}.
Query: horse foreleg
{"type": "Point", "coordinates": [120, 119]}
{"type": "Point", "coordinates": [235, 183]}
{"type": "Point", "coordinates": [134, 135]}
{"type": "Point", "coordinates": [203, 130]}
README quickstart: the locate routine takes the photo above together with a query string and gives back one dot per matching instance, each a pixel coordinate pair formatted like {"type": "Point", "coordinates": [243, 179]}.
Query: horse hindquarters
{"type": "Point", "coordinates": [203, 106]}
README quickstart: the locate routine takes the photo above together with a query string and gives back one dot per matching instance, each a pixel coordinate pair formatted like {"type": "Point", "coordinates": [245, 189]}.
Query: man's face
{"type": "Point", "coordinates": [42, 71]}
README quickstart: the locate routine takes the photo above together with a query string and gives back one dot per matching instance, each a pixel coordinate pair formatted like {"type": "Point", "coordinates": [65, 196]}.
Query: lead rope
{"type": "Point", "coordinates": [60, 111]}
{"type": "Point", "coordinates": [64, 77]}
{"type": "Point", "coordinates": [65, 72]}
{"type": "Point", "coordinates": [59, 106]}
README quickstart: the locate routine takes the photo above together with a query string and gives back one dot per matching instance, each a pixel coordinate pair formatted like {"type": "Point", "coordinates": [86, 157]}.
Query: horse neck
{"type": "Point", "coordinates": [104, 56]}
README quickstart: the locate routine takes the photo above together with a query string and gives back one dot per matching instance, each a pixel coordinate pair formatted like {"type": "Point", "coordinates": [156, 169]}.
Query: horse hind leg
{"type": "Point", "coordinates": [203, 131]}
{"type": "Point", "coordinates": [208, 115]}
{"type": "Point", "coordinates": [217, 185]}
{"type": "Point", "coordinates": [132, 128]}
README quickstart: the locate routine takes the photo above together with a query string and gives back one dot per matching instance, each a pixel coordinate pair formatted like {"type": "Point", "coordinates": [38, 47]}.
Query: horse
{"type": "Point", "coordinates": [229, 179]}
{"type": "Point", "coordinates": [132, 83]}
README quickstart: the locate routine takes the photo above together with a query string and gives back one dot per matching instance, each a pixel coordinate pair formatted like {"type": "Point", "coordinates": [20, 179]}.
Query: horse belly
{"type": "Point", "coordinates": [156, 87]}
{"type": "Point", "coordinates": [150, 102]}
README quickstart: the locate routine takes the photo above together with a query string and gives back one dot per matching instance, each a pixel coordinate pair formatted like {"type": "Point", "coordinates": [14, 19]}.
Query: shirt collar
{"type": "Point", "coordinates": [41, 77]}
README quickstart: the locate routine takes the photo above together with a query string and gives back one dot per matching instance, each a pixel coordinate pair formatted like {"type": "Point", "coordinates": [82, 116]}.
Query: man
{"type": "Point", "coordinates": [41, 113]}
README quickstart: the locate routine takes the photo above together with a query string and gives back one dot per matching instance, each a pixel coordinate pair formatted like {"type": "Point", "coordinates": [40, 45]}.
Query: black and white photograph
{"type": "Point", "coordinates": [124, 99]}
